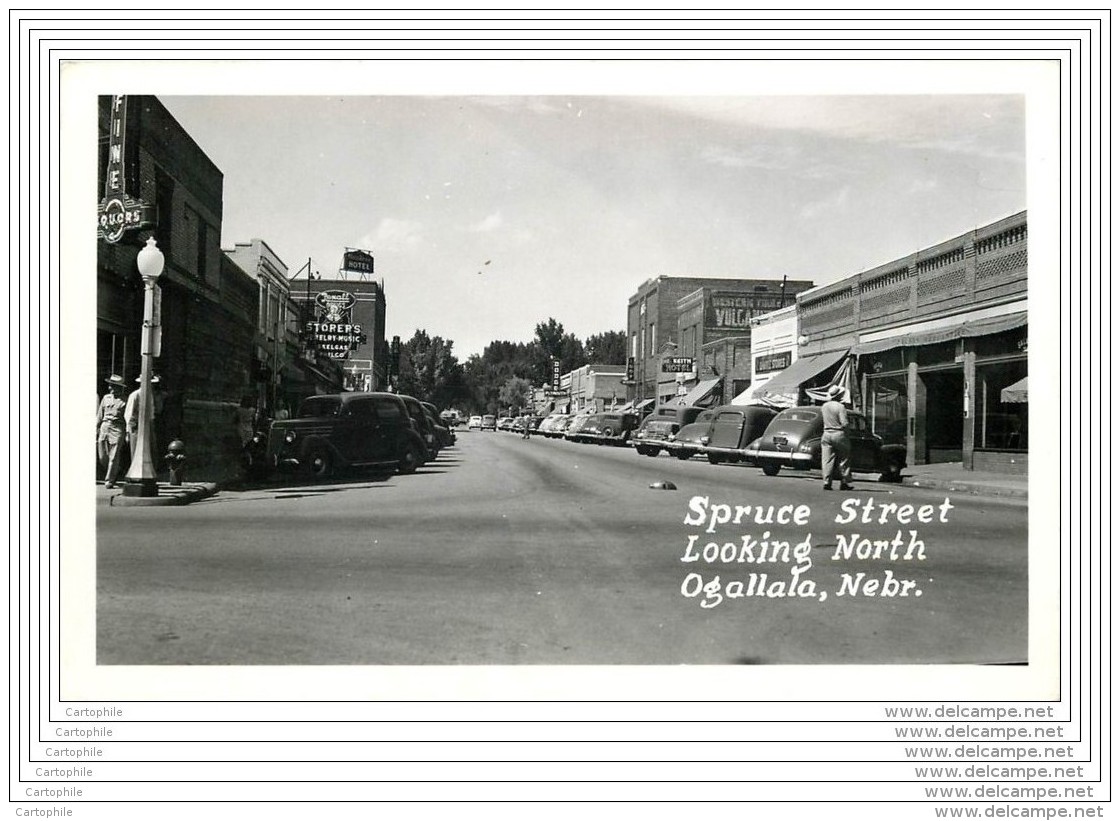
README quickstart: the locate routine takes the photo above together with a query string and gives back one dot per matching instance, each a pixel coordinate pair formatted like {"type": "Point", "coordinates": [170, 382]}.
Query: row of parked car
{"type": "Point", "coordinates": [757, 435]}
{"type": "Point", "coordinates": [762, 436]}
{"type": "Point", "coordinates": [333, 432]}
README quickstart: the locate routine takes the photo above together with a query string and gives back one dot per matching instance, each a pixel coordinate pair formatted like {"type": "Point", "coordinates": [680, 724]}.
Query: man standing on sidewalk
{"type": "Point", "coordinates": [835, 445]}
{"type": "Point", "coordinates": [111, 429]}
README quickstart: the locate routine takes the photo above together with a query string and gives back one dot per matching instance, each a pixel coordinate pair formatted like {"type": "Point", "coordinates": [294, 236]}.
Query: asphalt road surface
{"type": "Point", "coordinates": [512, 551]}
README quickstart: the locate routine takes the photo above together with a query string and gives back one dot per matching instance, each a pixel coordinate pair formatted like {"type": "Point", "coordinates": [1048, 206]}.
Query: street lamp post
{"type": "Point", "coordinates": [141, 477]}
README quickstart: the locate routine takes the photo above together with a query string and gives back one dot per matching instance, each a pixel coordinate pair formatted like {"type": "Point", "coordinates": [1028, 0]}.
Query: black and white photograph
{"type": "Point", "coordinates": [508, 380]}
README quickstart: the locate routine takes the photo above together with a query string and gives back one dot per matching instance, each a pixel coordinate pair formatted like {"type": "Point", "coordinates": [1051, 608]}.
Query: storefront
{"type": "Point", "coordinates": [787, 388]}
{"type": "Point", "coordinates": [955, 393]}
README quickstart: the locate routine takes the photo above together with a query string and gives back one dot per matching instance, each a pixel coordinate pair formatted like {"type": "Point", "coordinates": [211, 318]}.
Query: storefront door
{"type": "Point", "coordinates": [944, 423]}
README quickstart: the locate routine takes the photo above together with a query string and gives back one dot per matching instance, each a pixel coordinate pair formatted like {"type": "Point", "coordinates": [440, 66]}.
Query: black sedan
{"type": "Point", "coordinates": [793, 440]}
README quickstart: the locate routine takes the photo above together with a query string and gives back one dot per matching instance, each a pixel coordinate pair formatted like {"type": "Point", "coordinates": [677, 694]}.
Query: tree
{"type": "Point", "coordinates": [516, 393]}
{"type": "Point", "coordinates": [430, 372]}
{"type": "Point", "coordinates": [607, 348]}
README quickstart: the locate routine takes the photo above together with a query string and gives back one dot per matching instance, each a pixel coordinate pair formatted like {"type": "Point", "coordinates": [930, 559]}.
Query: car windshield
{"type": "Point", "coordinates": [319, 406]}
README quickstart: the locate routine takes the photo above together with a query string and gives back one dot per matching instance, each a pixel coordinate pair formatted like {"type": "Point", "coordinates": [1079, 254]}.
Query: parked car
{"type": "Point", "coordinates": [573, 432]}
{"type": "Point", "coordinates": [685, 443]}
{"type": "Point", "coordinates": [552, 426]}
{"type": "Point", "coordinates": [793, 440]}
{"type": "Point", "coordinates": [650, 437]}
{"type": "Point", "coordinates": [609, 428]}
{"type": "Point", "coordinates": [488, 422]}
{"type": "Point", "coordinates": [444, 434]}
{"type": "Point", "coordinates": [332, 432]}
{"type": "Point", "coordinates": [732, 429]}
{"type": "Point", "coordinates": [474, 422]}
{"type": "Point", "coordinates": [423, 425]}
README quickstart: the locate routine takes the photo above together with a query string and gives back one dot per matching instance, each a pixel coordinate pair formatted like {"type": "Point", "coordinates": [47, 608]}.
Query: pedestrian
{"type": "Point", "coordinates": [132, 407]}
{"type": "Point", "coordinates": [111, 429]}
{"type": "Point", "coordinates": [835, 445]}
{"type": "Point", "coordinates": [525, 430]}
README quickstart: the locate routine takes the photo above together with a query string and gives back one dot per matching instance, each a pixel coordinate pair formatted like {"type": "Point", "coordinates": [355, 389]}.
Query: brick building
{"type": "Point", "coordinates": [208, 307]}
{"type": "Point", "coordinates": [936, 343]}
{"type": "Point", "coordinates": [343, 322]}
{"type": "Point", "coordinates": [674, 319]}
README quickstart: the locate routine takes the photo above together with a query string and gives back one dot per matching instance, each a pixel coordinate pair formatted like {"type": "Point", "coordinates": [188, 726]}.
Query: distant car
{"type": "Point", "coordinates": [488, 423]}
{"type": "Point", "coordinates": [793, 440]}
{"type": "Point", "coordinates": [609, 428]}
{"type": "Point", "coordinates": [332, 432]}
{"type": "Point", "coordinates": [424, 425]}
{"type": "Point", "coordinates": [504, 423]}
{"type": "Point", "coordinates": [685, 443]}
{"type": "Point", "coordinates": [552, 426]}
{"type": "Point", "coordinates": [474, 422]}
{"type": "Point", "coordinates": [573, 432]}
{"type": "Point", "coordinates": [731, 431]}
{"type": "Point", "coordinates": [650, 437]}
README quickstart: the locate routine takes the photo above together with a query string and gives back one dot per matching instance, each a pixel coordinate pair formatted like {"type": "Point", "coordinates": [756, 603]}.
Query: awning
{"type": "Point", "coordinates": [645, 403]}
{"type": "Point", "coordinates": [963, 330]}
{"type": "Point", "coordinates": [701, 392]}
{"type": "Point", "coordinates": [784, 389]}
{"type": "Point", "coordinates": [1015, 393]}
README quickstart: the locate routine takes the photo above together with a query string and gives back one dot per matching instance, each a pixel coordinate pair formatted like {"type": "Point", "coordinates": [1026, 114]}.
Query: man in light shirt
{"type": "Point", "coordinates": [835, 446]}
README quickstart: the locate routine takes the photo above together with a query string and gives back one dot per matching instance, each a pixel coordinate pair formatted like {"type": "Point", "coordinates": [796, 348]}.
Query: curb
{"type": "Point", "coordinates": [182, 495]}
{"type": "Point", "coordinates": [974, 488]}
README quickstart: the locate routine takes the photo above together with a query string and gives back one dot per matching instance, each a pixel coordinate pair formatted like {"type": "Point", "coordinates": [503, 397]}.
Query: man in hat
{"type": "Point", "coordinates": [835, 446]}
{"type": "Point", "coordinates": [111, 429]}
{"type": "Point", "coordinates": [132, 413]}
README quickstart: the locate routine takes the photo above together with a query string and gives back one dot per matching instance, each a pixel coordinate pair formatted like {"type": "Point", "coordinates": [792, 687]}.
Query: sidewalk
{"type": "Point", "coordinates": [184, 494]}
{"type": "Point", "coordinates": [951, 476]}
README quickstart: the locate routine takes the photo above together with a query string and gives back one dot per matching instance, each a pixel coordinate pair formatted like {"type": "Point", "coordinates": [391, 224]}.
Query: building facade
{"type": "Point", "coordinates": [671, 320]}
{"type": "Point", "coordinates": [343, 321]}
{"type": "Point", "coordinates": [936, 344]}
{"type": "Point", "coordinates": [285, 371]}
{"type": "Point", "coordinates": [207, 307]}
{"type": "Point", "coordinates": [773, 348]}
{"type": "Point", "coordinates": [595, 388]}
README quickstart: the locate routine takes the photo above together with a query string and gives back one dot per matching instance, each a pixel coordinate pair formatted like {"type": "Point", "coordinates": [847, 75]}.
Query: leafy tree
{"type": "Point", "coordinates": [430, 372]}
{"type": "Point", "coordinates": [516, 393]}
{"type": "Point", "coordinates": [607, 348]}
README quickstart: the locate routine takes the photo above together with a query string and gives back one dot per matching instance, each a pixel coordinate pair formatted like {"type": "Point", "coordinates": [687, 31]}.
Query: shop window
{"type": "Point", "coordinates": [888, 408]}
{"type": "Point", "coordinates": [1000, 425]}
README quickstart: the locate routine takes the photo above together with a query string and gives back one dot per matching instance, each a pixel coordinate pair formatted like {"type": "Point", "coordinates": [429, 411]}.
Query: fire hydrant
{"type": "Point", "coordinates": [176, 461]}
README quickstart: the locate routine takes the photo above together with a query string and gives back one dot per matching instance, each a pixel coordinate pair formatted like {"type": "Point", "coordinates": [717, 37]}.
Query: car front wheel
{"type": "Point", "coordinates": [410, 460]}
{"type": "Point", "coordinates": [320, 465]}
{"type": "Point", "coordinates": [684, 455]}
{"type": "Point", "coordinates": [769, 468]}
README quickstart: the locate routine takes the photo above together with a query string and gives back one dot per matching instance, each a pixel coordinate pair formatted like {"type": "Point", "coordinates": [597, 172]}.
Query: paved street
{"type": "Point", "coordinates": [507, 551]}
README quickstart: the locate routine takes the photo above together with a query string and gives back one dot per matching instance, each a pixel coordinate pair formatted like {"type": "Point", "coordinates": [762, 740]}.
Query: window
{"type": "Point", "coordinates": [888, 406]}
{"type": "Point", "coordinates": [1000, 425]}
{"type": "Point", "coordinates": [388, 410]}
{"type": "Point", "coordinates": [362, 409]}
{"type": "Point", "coordinates": [318, 406]}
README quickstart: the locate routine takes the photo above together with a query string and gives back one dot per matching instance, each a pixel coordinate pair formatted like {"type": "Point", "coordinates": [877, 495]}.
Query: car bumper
{"type": "Point", "coordinates": [785, 457]}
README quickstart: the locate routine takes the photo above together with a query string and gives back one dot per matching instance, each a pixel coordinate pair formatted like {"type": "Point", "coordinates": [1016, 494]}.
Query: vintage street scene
{"type": "Point", "coordinates": [555, 380]}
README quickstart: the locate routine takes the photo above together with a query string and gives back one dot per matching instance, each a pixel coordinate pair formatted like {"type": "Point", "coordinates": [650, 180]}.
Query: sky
{"type": "Point", "coordinates": [488, 214]}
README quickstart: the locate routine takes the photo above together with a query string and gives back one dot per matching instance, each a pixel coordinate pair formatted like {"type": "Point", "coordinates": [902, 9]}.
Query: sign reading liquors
{"type": "Point", "coordinates": [118, 212]}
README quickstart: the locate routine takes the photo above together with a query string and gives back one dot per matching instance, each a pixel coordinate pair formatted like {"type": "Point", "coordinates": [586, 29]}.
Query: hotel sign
{"type": "Point", "coordinates": [677, 364]}
{"type": "Point", "coordinates": [118, 211]}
